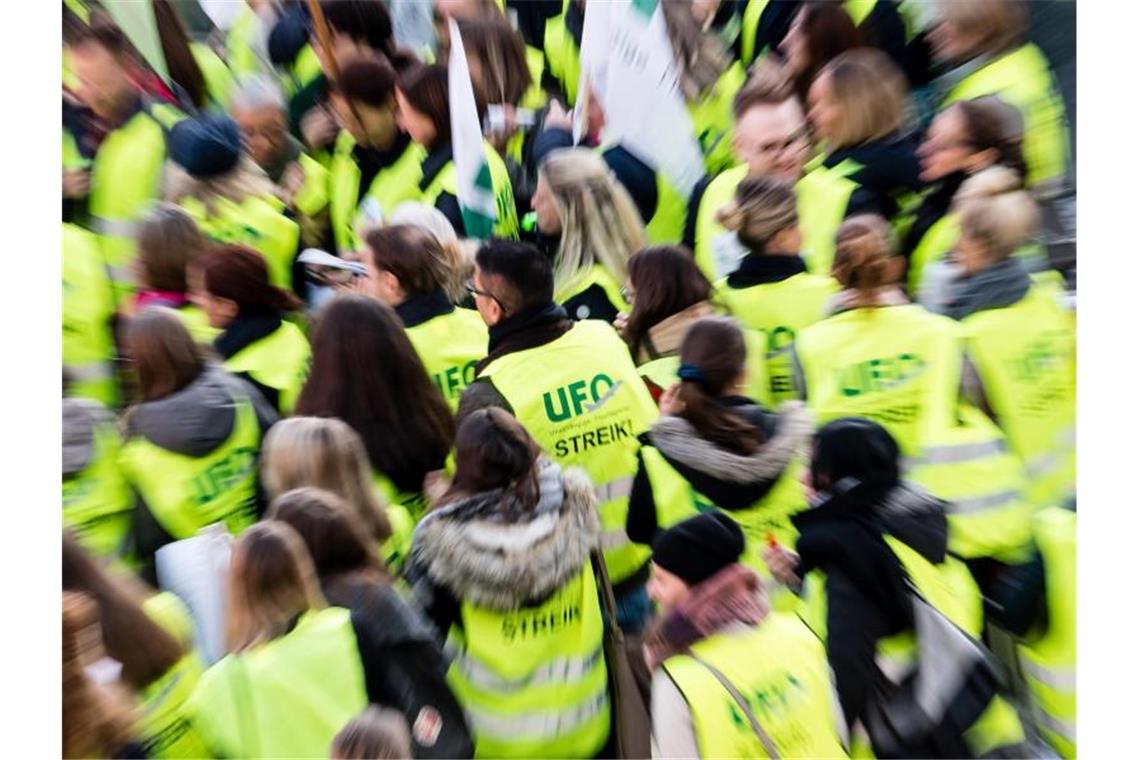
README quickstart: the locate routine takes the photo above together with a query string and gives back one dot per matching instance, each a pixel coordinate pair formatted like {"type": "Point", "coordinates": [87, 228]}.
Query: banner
{"type": "Point", "coordinates": [628, 60]}
{"type": "Point", "coordinates": [476, 191]}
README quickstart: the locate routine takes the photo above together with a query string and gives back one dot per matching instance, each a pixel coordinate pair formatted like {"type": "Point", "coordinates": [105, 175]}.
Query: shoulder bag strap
{"type": "Point", "coordinates": [742, 703]}
{"type": "Point", "coordinates": [609, 601]}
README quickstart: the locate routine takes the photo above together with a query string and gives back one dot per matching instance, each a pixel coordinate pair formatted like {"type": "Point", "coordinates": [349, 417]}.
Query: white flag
{"type": "Point", "coordinates": [476, 191]}
{"type": "Point", "coordinates": [645, 110]}
{"type": "Point", "coordinates": [137, 22]}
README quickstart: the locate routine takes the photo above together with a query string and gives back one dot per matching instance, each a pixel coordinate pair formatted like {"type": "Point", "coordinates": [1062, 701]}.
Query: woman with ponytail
{"type": "Point", "coordinates": [232, 286]}
{"type": "Point", "coordinates": [714, 447]}
{"type": "Point", "coordinates": [876, 355]}
{"type": "Point", "coordinates": [420, 276]}
{"type": "Point", "coordinates": [771, 291]}
{"type": "Point", "coordinates": [502, 566]}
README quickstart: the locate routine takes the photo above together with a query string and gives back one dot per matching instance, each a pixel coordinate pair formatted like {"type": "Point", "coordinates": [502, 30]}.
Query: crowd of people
{"type": "Point", "coordinates": [794, 450]}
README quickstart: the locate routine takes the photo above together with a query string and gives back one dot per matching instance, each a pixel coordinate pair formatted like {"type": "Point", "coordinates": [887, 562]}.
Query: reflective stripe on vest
{"type": "Point", "coordinates": [187, 493]}
{"type": "Point", "coordinates": [85, 373]}
{"type": "Point", "coordinates": [1025, 356]}
{"type": "Point", "coordinates": [585, 403]}
{"type": "Point", "coordinates": [126, 228]}
{"type": "Point", "coordinates": [788, 689]}
{"type": "Point", "coordinates": [897, 365]}
{"type": "Point", "coordinates": [533, 680]}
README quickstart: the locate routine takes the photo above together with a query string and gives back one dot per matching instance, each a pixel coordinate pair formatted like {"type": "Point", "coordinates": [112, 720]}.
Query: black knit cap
{"type": "Point", "coordinates": [206, 146]}
{"type": "Point", "coordinates": [700, 547]}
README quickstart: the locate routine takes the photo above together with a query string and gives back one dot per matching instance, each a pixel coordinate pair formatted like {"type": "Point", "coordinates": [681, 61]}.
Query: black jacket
{"type": "Point", "coordinates": [404, 667]}
{"type": "Point", "coordinates": [890, 168]}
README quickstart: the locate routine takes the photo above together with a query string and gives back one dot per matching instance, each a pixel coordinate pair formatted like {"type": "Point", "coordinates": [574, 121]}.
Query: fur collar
{"type": "Point", "coordinates": [678, 441]}
{"type": "Point", "coordinates": [503, 565]}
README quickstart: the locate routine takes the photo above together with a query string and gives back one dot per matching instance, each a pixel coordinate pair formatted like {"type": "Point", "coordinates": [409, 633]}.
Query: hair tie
{"type": "Point", "coordinates": [691, 372]}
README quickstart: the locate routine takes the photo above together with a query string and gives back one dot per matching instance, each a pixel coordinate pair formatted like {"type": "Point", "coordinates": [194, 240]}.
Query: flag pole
{"type": "Point", "coordinates": [324, 37]}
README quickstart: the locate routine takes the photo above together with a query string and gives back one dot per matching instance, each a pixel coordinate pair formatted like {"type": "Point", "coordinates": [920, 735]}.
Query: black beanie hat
{"type": "Point", "coordinates": [206, 146]}
{"type": "Point", "coordinates": [855, 447]}
{"type": "Point", "coordinates": [700, 547]}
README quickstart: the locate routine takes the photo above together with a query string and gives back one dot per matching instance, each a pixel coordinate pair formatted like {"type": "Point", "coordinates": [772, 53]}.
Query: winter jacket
{"type": "Point", "coordinates": [489, 550]}
{"type": "Point", "coordinates": [731, 481]}
{"type": "Point", "coordinates": [193, 422]}
{"type": "Point", "coordinates": [889, 170]}
{"type": "Point", "coordinates": [407, 669]}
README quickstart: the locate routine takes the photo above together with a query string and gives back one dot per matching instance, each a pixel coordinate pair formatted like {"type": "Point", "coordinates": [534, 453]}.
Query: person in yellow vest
{"type": "Point", "coordinates": [191, 441]}
{"type": "Point", "coordinates": [870, 543]}
{"type": "Point", "coordinates": [257, 343]}
{"type": "Point", "coordinates": [367, 373]}
{"type": "Point", "coordinates": [771, 140]}
{"type": "Point", "coordinates": [97, 716]}
{"type": "Point", "coordinates": [502, 566]}
{"type": "Point", "coordinates": [296, 670]}
{"type": "Point", "coordinates": [89, 319]}
{"type": "Point", "coordinates": [352, 577]}
{"type": "Point", "coordinates": [247, 38]}
{"type": "Point", "coordinates": [857, 110]}
{"type": "Point", "coordinates": [668, 294]}
{"type": "Point", "coordinates": [426, 116]}
{"type": "Point", "coordinates": [97, 502]}
{"type": "Point", "coordinates": [875, 354]}
{"type": "Point", "coordinates": [151, 635]}
{"type": "Point", "coordinates": [258, 107]}
{"type": "Point", "coordinates": [714, 448]}
{"type": "Point", "coordinates": [1020, 340]}
{"type": "Point", "coordinates": [375, 166]}
{"type": "Point", "coordinates": [763, 26]}
{"type": "Point", "coordinates": [114, 147]}
{"type": "Point", "coordinates": [415, 274]}
{"type": "Point", "coordinates": [771, 291]}
{"type": "Point", "coordinates": [562, 42]}
{"type": "Point", "coordinates": [597, 228]}
{"type": "Point", "coordinates": [966, 138]}
{"type": "Point", "coordinates": [731, 678]}
{"type": "Point", "coordinates": [324, 452]}
{"type": "Point", "coordinates": [169, 243]}
{"type": "Point", "coordinates": [575, 389]}
{"type": "Point", "coordinates": [1037, 603]}
{"type": "Point", "coordinates": [985, 44]}
{"type": "Point", "coordinates": [229, 196]}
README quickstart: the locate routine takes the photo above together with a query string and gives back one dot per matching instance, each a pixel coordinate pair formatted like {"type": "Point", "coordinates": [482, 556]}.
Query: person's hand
{"type": "Point", "coordinates": [669, 403]}
{"type": "Point", "coordinates": [318, 127]}
{"type": "Point", "coordinates": [620, 323]}
{"type": "Point", "coordinates": [291, 181]}
{"type": "Point", "coordinates": [76, 183]}
{"type": "Point", "coordinates": [558, 117]}
{"type": "Point", "coordinates": [782, 563]}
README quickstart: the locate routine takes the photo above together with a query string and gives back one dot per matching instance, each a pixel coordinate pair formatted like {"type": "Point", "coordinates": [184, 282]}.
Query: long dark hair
{"type": "Point", "coordinates": [493, 450]}
{"type": "Point", "coordinates": [991, 123]}
{"type": "Point", "coordinates": [165, 357]}
{"type": "Point", "coordinates": [425, 88]}
{"type": "Point", "coordinates": [712, 357]}
{"type": "Point", "coordinates": [829, 30]}
{"type": "Point", "coordinates": [145, 649]}
{"type": "Point", "coordinates": [241, 275]}
{"type": "Point", "coordinates": [336, 537]}
{"type": "Point", "coordinates": [666, 280]}
{"type": "Point", "coordinates": [366, 372]}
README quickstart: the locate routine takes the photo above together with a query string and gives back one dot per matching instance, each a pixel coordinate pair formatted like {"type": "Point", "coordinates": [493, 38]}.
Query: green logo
{"type": "Point", "coordinates": [571, 400]}
{"type": "Point", "coordinates": [877, 375]}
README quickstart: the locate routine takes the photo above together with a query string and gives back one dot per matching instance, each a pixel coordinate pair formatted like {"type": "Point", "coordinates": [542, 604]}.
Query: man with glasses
{"type": "Point", "coordinates": [771, 140]}
{"type": "Point", "coordinates": [574, 386]}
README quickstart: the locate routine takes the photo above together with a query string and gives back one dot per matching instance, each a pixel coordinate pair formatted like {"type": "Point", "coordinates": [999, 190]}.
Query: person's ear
{"type": "Point", "coordinates": [391, 282]}
{"type": "Point", "coordinates": [981, 159]}
{"type": "Point", "coordinates": [229, 309]}
{"type": "Point", "coordinates": [896, 267]}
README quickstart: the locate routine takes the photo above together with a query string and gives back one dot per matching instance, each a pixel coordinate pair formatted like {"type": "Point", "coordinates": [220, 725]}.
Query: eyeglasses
{"type": "Point", "coordinates": [796, 141]}
{"type": "Point", "coordinates": [474, 291]}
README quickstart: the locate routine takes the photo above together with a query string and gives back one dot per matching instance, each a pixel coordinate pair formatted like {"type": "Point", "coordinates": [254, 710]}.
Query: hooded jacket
{"type": "Point", "coordinates": [489, 550]}
{"type": "Point", "coordinates": [193, 422]}
{"type": "Point", "coordinates": [866, 588]}
{"type": "Point", "coordinates": [731, 481]}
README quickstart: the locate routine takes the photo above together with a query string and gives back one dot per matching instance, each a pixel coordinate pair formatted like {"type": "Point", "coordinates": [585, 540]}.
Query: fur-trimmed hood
{"type": "Point", "coordinates": [504, 562]}
{"type": "Point", "coordinates": [731, 480]}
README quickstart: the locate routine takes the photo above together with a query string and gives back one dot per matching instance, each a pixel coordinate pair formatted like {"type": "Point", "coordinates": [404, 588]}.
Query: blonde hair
{"type": "Point", "coordinates": [271, 582]}
{"type": "Point", "coordinates": [995, 211]}
{"type": "Point", "coordinates": [323, 452]}
{"type": "Point", "coordinates": [461, 251]}
{"type": "Point", "coordinates": [761, 207]}
{"type": "Point", "coordinates": [870, 92]}
{"type": "Point", "coordinates": [864, 249]}
{"type": "Point", "coordinates": [600, 223]}
{"type": "Point", "coordinates": [700, 56]}
{"type": "Point", "coordinates": [994, 25]}
{"type": "Point", "coordinates": [98, 720]}
{"type": "Point", "coordinates": [244, 180]}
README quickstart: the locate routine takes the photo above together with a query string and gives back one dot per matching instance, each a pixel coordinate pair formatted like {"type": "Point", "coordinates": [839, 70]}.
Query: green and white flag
{"type": "Point", "coordinates": [476, 191]}
{"type": "Point", "coordinates": [136, 19]}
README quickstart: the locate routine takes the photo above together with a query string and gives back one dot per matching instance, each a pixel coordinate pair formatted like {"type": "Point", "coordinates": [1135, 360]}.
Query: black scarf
{"type": "Point", "coordinates": [758, 268]}
{"type": "Point", "coordinates": [245, 330]}
{"type": "Point", "coordinates": [424, 307]}
{"type": "Point", "coordinates": [529, 328]}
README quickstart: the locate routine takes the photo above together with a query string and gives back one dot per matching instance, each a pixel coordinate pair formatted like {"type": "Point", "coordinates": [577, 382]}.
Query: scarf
{"type": "Point", "coordinates": [759, 268]}
{"type": "Point", "coordinates": [996, 287]}
{"type": "Point", "coordinates": [424, 307]}
{"type": "Point", "coordinates": [528, 329]}
{"type": "Point", "coordinates": [245, 330]}
{"type": "Point", "coordinates": [167, 298]}
{"type": "Point", "coordinates": [731, 596]}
